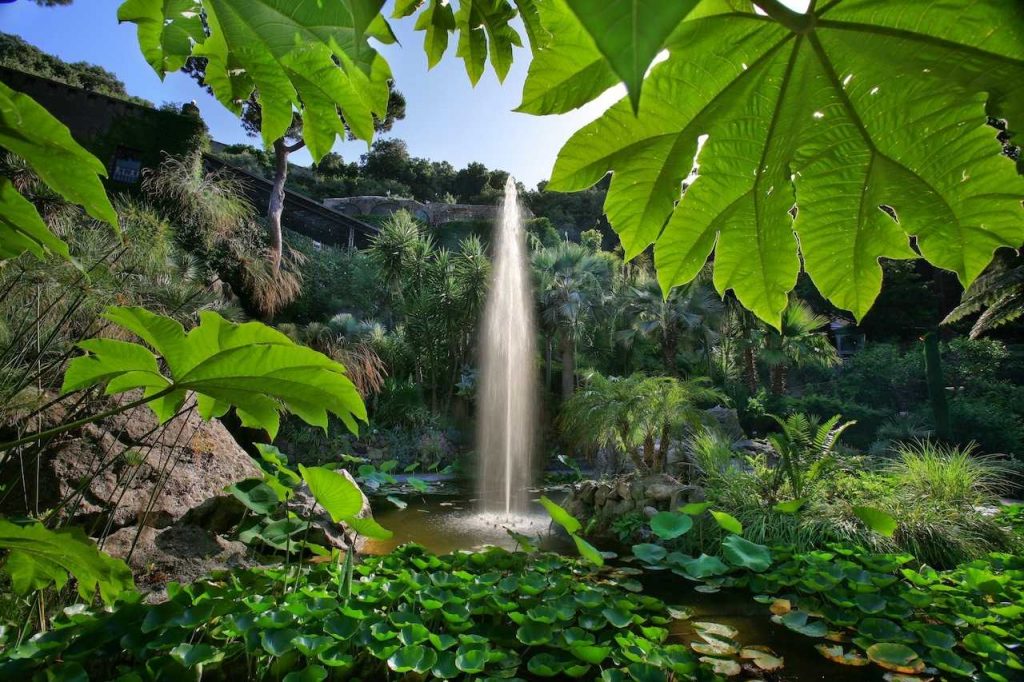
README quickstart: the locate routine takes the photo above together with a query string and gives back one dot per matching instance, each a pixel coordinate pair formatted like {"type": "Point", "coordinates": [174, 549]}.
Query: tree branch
{"type": "Point", "coordinates": [295, 147]}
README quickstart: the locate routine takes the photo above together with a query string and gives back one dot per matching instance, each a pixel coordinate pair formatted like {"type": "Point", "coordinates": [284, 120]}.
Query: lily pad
{"type": "Point", "coordinates": [896, 657]}
{"type": "Point", "coordinates": [764, 659]}
{"type": "Point", "coordinates": [745, 554]}
{"type": "Point", "coordinates": [670, 525]}
{"type": "Point", "coordinates": [649, 553]}
{"type": "Point", "coordinates": [837, 654]}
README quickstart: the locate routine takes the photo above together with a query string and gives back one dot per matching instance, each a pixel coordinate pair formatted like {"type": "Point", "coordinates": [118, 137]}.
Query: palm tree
{"type": "Point", "coordinates": [800, 342]}
{"type": "Point", "coordinates": [569, 280]}
{"type": "Point", "coordinates": [690, 316]}
{"type": "Point", "coordinates": [637, 415]}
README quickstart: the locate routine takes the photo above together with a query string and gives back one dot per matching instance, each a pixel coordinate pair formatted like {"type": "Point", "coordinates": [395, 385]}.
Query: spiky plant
{"type": "Point", "coordinates": [998, 294]}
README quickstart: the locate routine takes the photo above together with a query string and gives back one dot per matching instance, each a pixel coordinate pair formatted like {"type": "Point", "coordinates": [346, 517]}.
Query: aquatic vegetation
{"type": "Point", "coordinates": [463, 616]}
{"type": "Point", "coordinates": [878, 608]}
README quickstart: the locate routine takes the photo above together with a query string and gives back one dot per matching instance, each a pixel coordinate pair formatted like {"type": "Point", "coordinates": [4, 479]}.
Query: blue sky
{"type": "Point", "coordinates": [446, 118]}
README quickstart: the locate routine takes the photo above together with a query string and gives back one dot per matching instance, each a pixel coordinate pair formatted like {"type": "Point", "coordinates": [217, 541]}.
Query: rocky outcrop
{"type": "Point", "coordinates": [182, 552]}
{"type": "Point", "coordinates": [131, 471]}
{"type": "Point", "coordinates": [608, 499]}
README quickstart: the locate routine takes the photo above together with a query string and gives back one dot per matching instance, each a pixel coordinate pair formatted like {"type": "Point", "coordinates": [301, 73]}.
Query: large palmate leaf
{"type": "Point", "coordinates": [867, 122]}
{"type": "Point", "coordinates": [484, 30]}
{"type": "Point", "coordinates": [28, 130]}
{"type": "Point", "coordinates": [167, 30]}
{"type": "Point", "coordinates": [38, 558]}
{"type": "Point", "coordinates": [567, 70]}
{"type": "Point", "coordinates": [629, 33]}
{"type": "Point", "coordinates": [250, 366]}
{"type": "Point", "coordinates": [314, 57]}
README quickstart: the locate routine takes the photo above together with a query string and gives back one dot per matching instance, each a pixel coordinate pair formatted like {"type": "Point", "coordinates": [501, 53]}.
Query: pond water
{"type": "Point", "coordinates": [449, 523]}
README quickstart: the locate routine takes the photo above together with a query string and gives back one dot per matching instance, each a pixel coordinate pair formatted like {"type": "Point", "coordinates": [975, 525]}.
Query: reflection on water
{"type": "Point", "coordinates": [446, 524]}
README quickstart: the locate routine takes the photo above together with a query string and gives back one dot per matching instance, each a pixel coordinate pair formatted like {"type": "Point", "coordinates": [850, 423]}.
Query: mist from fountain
{"type": "Point", "coordinates": [507, 383]}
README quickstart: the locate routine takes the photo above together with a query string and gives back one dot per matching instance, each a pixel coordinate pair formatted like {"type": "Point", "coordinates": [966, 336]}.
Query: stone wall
{"type": "Point", "coordinates": [429, 212]}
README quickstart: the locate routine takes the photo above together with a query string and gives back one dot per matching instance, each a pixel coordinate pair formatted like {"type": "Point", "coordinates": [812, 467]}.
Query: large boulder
{"type": "Point", "coordinates": [182, 553]}
{"type": "Point", "coordinates": [728, 421]}
{"type": "Point", "coordinates": [607, 500]}
{"type": "Point", "coordinates": [129, 470]}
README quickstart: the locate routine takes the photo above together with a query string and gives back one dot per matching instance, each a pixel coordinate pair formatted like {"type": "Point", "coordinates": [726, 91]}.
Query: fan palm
{"type": "Point", "coordinates": [800, 342]}
{"type": "Point", "coordinates": [637, 415]}
{"type": "Point", "coordinates": [689, 317]}
{"type": "Point", "coordinates": [569, 281]}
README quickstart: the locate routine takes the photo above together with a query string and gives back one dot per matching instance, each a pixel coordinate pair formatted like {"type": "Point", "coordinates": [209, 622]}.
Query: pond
{"type": "Point", "coordinates": [449, 523]}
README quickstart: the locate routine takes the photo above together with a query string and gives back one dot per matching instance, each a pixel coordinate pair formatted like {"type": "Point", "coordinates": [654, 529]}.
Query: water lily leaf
{"type": "Point", "coordinates": [948, 661]}
{"type": "Point", "coordinates": [896, 657]}
{"type": "Point", "coordinates": [649, 553]}
{"type": "Point", "coordinates": [933, 636]}
{"type": "Point", "coordinates": [719, 629]}
{"type": "Point", "coordinates": [278, 642]}
{"type": "Point", "coordinates": [412, 658]}
{"type": "Point", "coordinates": [445, 667]}
{"type": "Point", "coordinates": [722, 666]}
{"type": "Point", "coordinates": [705, 566]}
{"type": "Point", "coordinates": [728, 522]}
{"type": "Point", "coordinates": [311, 673]}
{"type": "Point", "coordinates": [617, 617]}
{"type": "Point", "coordinates": [311, 645]}
{"type": "Point", "coordinates": [798, 622]}
{"type": "Point", "coordinates": [780, 607]}
{"type": "Point", "coordinates": [590, 653]}
{"type": "Point", "coordinates": [836, 654]}
{"type": "Point", "coordinates": [369, 528]}
{"type": "Point", "coordinates": [877, 520]}
{"type": "Point", "coordinates": [745, 554]}
{"type": "Point", "coordinates": [471, 660]}
{"type": "Point", "coordinates": [192, 655]}
{"type": "Point", "coordinates": [764, 659]}
{"type": "Point", "coordinates": [534, 633]}
{"type": "Point", "coordinates": [713, 646]}
{"type": "Point", "coordinates": [884, 630]}
{"type": "Point", "coordinates": [870, 602]}
{"type": "Point", "coordinates": [670, 525]}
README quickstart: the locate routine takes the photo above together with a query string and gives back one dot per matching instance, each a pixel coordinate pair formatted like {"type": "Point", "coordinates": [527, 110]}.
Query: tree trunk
{"type": "Point", "coordinates": [936, 386]}
{"type": "Point", "coordinates": [779, 380]}
{"type": "Point", "coordinates": [276, 206]}
{"type": "Point", "coordinates": [669, 350]}
{"type": "Point", "coordinates": [568, 366]}
{"type": "Point", "coordinates": [750, 369]}
{"type": "Point", "coordinates": [662, 450]}
{"type": "Point", "coordinates": [649, 455]}
{"type": "Point", "coordinates": [547, 364]}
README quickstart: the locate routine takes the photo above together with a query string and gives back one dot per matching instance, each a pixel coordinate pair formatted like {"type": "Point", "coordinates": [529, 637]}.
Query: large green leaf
{"type": "Point", "coordinates": [746, 554]}
{"type": "Point", "coordinates": [563, 518]}
{"type": "Point", "coordinates": [484, 30]}
{"type": "Point", "coordinates": [29, 131]}
{"type": "Point", "coordinates": [567, 70]}
{"type": "Point", "coordinates": [436, 21]}
{"type": "Point", "coordinates": [335, 492]}
{"type": "Point", "coordinates": [22, 229]}
{"type": "Point", "coordinates": [39, 557]}
{"type": "Point", "coordinates": [166, 29]}
{"type": "Point", "coordinates": [249, 366]}
{"type": "Point", "coordinates": [314, 57]}
{"type": "Point", "coordinates": [868, 124]}
{"type": "Point", "coordinates": [877, 520]}
{"type": "Point", "coordinates": [630, 33]}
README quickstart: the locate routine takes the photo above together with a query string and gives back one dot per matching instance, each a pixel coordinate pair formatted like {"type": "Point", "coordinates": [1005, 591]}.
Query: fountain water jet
{"type": "Point", "coordinates": [507, 384]}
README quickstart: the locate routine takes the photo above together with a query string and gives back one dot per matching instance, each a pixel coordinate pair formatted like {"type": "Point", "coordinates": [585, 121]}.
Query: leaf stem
{"type": "Point", "coordinates": [795, 21]}
{"type": "Point", "coordinates": [78, 423]}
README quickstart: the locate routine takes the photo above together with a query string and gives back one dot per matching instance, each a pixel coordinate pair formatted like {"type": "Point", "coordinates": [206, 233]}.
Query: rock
{"type": "Point", "coordinates": [754, 446]}
{"type": "Point", "coordinates": [180, 553]}
{"type": "Point", "coordinates": [135, 472]}
{"type": "Point", "coordinates": [650, 511]}
{"type": "Point", "coordinates": [324, 530]}
{"type": "Point", "coordinates": [601, 495]}
{"type": "Point", "coordinates": [624, 489]}
{"type": "Point", "coordinates": [585, 492]}
{"type": "Point", "coordinates": [728, 421]}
